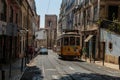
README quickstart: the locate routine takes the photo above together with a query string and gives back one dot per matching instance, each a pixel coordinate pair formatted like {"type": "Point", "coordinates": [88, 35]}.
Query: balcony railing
{"type": "Point", "coordinates": [111, 26]}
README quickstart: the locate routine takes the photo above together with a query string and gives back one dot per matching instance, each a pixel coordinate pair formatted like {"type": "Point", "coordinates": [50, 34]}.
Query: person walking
{"type": "Point", "coordinates": [84, 51]}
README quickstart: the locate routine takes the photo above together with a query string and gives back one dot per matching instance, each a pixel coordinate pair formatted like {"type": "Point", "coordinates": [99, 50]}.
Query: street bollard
{"type": "Point", "coordinates": [119, 62]}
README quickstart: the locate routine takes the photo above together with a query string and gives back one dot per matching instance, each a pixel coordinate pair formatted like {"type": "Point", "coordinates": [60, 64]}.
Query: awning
{"type": "Point", "coordinates": [88, 38]}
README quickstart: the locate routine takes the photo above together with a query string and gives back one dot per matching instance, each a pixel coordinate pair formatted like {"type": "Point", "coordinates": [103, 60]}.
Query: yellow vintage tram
{"type": "Point", "coordinates": [68, 45]}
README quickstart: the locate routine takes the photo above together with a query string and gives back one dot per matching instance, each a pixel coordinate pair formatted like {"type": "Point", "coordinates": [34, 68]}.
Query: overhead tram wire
{"type": "Point", "coordinates": [48, 6]}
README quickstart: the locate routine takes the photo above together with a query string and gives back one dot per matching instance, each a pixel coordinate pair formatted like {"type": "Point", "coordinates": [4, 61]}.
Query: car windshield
{"type": "Point", "coordinates": [43, 49]}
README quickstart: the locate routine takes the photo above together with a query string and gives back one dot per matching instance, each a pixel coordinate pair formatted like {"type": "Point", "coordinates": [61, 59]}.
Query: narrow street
{"type": "Point", "coordinates": [50, 67]}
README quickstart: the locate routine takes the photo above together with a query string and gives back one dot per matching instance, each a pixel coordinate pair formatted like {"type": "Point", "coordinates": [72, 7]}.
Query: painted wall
{"type": "Point", "coordinates": [107, 37]}
{"type": "Point", "coordinates": [41, 34]}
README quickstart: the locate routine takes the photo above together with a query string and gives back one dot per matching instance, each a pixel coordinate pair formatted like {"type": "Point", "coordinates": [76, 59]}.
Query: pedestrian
{"type": "Point", "coordinates": [84, 51]}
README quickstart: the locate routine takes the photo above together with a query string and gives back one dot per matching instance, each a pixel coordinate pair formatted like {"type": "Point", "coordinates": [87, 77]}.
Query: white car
{"type": "Point", "coordinates": [43, 51]}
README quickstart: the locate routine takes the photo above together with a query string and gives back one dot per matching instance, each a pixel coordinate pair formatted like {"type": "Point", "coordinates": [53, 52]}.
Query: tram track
{"type": "Point", "coordinates": [98, 70]}
{"type": "Point", "coordinates": [63, 73]}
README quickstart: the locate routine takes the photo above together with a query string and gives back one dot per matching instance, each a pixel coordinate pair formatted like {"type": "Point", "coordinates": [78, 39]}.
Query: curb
{"type": "Point", "coordinates": [115, 67]}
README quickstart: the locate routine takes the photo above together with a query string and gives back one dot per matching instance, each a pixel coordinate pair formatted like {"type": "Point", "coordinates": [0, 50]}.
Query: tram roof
{"type": "Point", "coordinates": [69, 34]}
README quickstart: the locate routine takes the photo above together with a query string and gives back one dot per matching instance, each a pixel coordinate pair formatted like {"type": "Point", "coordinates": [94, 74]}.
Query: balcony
{"type": "Point", "coordinates": [111, 26]}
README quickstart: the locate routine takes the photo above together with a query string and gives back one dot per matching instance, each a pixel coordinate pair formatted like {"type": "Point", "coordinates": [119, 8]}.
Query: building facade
{"type": "Point", "coordinates": [66, 15]}
{"type": "Point", "coordinates": [89, 17]}
{"type": "Point", "coordinates": [51, 26]}
{"type": "Point", "coordinates": [17, 28]}
{"type": "Point", "coordinates": [41, 38]}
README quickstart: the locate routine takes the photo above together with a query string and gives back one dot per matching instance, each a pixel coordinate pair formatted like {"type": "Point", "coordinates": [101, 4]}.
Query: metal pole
{"type": "Point", "coordinates": [119, 62]}
{"type": "Point", "coordinates": [103, 58]}
{"type": "Point", "coordinates": [84, 33]}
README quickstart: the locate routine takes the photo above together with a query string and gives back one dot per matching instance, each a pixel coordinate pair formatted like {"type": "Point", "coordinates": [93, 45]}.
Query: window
{"type": "Point", "coordinates": [112, 12]}
{"type": "Point", "coordinates": [72, 40]}
{"type": "Point", "coordinates": [49, 23]}
{"type": "Point", "coordinates": [66, 41]}
{"type": "Point", "coordinates": [3, 8]}
{"type": "Point", "coordinates": [62, 41]}
{"type": "Point", "coordinates": [110, 46]}
{"type": "Point", "coordinates": [88, 15]}
{"type": "Point", "coordinates": [78, 41]}
{"type": "Point", "coordinates": [58, 43]}
{"type": "Point", "coordinates": [95, 14]}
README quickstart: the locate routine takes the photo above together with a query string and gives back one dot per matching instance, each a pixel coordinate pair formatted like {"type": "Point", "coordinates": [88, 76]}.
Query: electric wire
{"type": "Point", "coordinates": [48, 6]}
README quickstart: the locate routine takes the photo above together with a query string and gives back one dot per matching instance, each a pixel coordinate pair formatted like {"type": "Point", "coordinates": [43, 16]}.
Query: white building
{"type": "Point", "coordinates": [41, 38]}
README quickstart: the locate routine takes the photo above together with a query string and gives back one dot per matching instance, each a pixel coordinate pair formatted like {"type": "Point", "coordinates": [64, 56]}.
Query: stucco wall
{"type": "Point", "coordinates": [107, 37]}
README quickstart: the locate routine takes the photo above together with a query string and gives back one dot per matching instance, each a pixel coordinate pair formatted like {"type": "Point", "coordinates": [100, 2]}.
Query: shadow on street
{"type": "Point", "coordinates": [87, 76]}
{"type": "Point", "coordinates": [32, 73]}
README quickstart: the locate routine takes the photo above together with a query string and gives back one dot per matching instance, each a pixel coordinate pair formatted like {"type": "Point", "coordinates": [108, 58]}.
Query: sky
{"type": "Point", "coordinates": [47, 7]}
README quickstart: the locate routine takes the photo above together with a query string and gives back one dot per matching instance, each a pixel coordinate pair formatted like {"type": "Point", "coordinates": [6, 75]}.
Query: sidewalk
{"type": "Point", "coordinates": [106, 64]}
{"type": "Point", "coordinates": [110, 65]}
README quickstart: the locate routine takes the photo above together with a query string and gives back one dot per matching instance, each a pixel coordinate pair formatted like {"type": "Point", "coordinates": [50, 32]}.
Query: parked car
{"type": "Point", "coordinates": [43, 51]}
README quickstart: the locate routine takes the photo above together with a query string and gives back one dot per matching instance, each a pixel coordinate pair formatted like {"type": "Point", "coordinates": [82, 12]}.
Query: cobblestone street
{"type": "Point", "coordinates": [49, 67]}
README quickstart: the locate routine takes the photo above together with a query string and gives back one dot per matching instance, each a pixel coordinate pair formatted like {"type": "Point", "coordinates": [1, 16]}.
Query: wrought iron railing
{"type": "Point", "coordinates": [111, 25]}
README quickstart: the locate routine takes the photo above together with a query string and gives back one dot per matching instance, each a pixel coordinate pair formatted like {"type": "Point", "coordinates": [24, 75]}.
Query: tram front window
{"type": "Point", "coordinates": [72, 40]}
{"type": "Point", "coordinates": [66, 41]}
{"type": "Point", "coordinates": [77, 41]}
